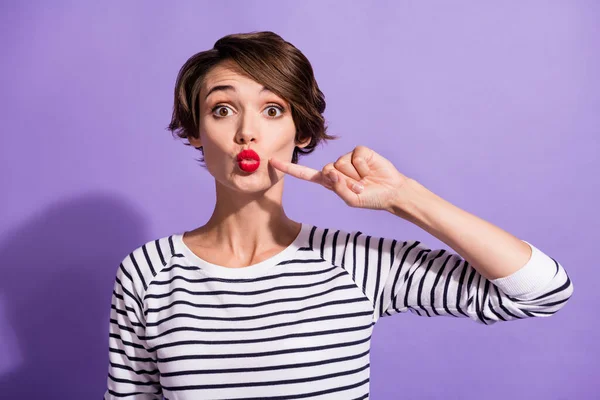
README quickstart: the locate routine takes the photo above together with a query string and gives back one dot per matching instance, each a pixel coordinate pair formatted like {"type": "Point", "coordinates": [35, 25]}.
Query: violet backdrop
{"type": "Point", "coordinates": [493, 106]}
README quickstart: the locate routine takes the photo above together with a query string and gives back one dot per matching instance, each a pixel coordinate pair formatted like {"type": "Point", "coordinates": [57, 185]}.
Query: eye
{"type": "Point", "coordinates": [221, 114]}
{"type": "Point", "coordinates": [273, 114]}
{"type": "Point", "coordinates": [220, 111]}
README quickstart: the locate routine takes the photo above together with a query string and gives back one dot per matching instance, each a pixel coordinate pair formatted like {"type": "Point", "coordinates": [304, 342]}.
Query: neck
{"type": "Point", "coordinates": [248, 223]}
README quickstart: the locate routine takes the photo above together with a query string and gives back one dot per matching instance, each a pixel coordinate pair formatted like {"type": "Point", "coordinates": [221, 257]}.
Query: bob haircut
{"type": "Point", "coordinates": [267, 59]}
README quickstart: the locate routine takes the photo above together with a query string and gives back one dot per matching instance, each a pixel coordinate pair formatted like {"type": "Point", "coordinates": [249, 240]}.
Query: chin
{"type": "Point", "coordinates": [238, 180]}
{"type": "Point", "coordinates": [257, 188]}
{"type": "Point", "coordinates": [244, 182]}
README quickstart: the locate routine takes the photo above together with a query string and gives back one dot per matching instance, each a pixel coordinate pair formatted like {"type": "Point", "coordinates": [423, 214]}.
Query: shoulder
{"type": "Point", "coordinates": [329, 242]}
{"type": "Point", "coordinates": [328, 238]}
{"type": "Point", "coordinates": [336, 245]}
{"type": "Point", "coordinates": [138, 268]}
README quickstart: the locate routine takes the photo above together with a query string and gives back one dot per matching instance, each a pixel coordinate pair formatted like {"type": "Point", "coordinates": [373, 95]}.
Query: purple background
{"type": "Point", "coordinates": [494, 107]}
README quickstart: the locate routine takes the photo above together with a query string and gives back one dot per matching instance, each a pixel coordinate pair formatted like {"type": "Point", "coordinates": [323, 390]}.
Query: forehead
{"type": "Point", "coordinates": [226, 73]}
{"type": "Point", "coordinates": [227, 77]}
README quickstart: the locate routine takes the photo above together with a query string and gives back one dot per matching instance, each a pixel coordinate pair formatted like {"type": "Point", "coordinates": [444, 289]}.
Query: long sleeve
{"type": "Point", "coordinates": [399, 276]}
{"type": "Point", "coordinates": [132, 372]}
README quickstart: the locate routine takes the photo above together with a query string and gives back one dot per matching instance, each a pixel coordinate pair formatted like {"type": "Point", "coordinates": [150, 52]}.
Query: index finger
{"type": "Point", "coordinates": [299, 171]}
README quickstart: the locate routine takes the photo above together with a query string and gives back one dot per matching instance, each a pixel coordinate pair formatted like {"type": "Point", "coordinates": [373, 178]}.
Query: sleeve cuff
{"type": "Point", "coordinates": [531, 278]}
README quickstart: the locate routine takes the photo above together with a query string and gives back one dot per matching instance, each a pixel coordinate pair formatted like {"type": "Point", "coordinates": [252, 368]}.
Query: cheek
{"type": "Point", "coordinates": [284, 149]}
{"type": "Point", "coordinates": [288, 139]}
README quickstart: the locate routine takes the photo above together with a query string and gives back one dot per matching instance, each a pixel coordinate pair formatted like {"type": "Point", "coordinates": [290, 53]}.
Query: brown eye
{"type": "Point", "coordinates": [272, 111]}
{"type": "Point", "coordinates": [222, 111]}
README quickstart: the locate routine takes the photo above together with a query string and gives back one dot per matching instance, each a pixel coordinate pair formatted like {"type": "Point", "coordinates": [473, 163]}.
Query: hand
{"type": "Point", "coordinates": [362, 178]}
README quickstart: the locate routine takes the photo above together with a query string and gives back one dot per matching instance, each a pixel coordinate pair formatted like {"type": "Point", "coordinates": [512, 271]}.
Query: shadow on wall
{"type": "Point", "coordinates": [58, 272]}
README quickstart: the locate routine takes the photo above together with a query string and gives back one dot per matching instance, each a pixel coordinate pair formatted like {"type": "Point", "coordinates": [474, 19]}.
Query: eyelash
{"type": "Point", "coordinates": [280, 108]}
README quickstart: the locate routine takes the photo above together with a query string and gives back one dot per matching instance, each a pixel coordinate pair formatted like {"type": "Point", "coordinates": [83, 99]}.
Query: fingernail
{"type": "Point", "coordinates": [357, 188]}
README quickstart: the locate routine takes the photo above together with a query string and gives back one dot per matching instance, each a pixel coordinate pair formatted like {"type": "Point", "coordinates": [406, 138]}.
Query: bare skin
{"type": "Point", "coordinates": [248, 223]}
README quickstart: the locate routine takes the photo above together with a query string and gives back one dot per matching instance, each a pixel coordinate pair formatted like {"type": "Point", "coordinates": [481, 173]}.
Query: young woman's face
{"type": "Point", "coordinates": [242, 116]}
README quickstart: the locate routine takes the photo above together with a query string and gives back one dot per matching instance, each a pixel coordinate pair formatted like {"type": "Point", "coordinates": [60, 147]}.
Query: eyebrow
{"type": "Point", "coordinates": [226, 88]}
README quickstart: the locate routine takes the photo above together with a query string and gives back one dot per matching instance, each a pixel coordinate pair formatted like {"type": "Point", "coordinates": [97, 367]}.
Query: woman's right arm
{"type": "Point", "coordinates": [132, 371]}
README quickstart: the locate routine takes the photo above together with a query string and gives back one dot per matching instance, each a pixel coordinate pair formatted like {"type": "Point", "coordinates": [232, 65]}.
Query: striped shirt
{"type": "Point", "coordinates": [297, 325]}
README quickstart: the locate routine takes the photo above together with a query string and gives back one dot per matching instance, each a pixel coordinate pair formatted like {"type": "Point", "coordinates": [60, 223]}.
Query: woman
{"type": "Point", "coordinates": [255, 305]}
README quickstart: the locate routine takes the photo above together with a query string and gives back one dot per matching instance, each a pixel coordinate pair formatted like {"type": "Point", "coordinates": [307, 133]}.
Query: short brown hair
{"type": "Point", "coordinates": [267, 59]}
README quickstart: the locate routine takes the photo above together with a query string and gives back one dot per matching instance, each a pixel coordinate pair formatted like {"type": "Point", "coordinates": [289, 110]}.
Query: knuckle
{"type": "Point", "coordinates": [340, 163]}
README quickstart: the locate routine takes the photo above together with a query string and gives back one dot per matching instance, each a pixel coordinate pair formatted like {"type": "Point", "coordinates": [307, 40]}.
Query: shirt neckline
{"type": "Point", "coordinates": [250, 271]}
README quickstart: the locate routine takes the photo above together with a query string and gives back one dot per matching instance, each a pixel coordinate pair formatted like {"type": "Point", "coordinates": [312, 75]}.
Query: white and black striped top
{"type": "Point", "coordinates": [297, 325]}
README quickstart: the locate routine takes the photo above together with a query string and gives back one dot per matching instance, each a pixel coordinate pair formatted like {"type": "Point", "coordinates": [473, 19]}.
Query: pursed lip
{"type": "Point", "coordinates": [248, 154]}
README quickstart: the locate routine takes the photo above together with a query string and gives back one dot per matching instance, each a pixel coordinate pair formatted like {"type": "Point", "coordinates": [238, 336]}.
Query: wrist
{"type": "Point", "coordinates": [412, 202]}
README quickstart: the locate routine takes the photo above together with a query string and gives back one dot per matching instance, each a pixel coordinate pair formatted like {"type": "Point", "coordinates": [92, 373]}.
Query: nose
{"type": "Point", "coordinates": [245, 138]}
{"type": "Point", "coordinates": [248, 131]}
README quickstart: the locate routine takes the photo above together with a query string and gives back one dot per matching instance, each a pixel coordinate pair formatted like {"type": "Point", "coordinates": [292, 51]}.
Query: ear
{"type": "Point", "coordinates": [196, 142]}
{"type": "Point", "coordinates": [304, 143]}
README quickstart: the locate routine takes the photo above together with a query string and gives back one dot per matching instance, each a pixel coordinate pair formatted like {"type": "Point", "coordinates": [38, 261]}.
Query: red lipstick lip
{"type": "Point", "coordinates": [248, 155]}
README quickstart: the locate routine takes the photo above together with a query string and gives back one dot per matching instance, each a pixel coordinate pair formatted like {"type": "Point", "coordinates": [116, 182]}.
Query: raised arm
{"type": "Point", "coordinates": [490, 276]}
